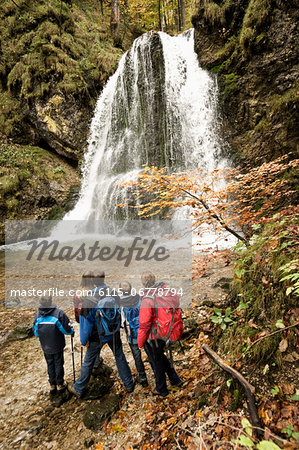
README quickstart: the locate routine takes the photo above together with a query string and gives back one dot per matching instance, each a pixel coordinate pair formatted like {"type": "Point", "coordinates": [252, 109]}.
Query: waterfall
{"type": "Point", "coordinates": [159, 108]}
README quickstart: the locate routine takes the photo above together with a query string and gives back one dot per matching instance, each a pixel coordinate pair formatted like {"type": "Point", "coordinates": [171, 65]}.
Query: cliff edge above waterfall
{"type": "Point", "coordinates": [252, 47]}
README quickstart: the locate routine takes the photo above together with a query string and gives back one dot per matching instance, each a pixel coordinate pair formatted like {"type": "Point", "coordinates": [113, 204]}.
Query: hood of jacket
{"type": "Point", "coordinates": [129, 301]}
{"type": "Point", "coordinates": [43, 312]}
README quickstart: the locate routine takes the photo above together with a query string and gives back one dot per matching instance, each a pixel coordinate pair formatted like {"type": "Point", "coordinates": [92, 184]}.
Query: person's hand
{"type": "Point", "coordinates": [87, 345]}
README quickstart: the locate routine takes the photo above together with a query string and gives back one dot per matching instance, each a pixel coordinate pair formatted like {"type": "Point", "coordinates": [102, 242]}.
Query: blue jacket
{"type": "Point", "coordinates": [88, 319]}
{"type": "Point", "coordinates": [50, 325]}
{"type": "Point", "coordinates": [127, 302]}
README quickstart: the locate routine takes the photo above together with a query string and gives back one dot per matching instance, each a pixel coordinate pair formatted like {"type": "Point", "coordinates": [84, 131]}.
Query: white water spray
{"type": "Point", "coordinates": [159, 108]}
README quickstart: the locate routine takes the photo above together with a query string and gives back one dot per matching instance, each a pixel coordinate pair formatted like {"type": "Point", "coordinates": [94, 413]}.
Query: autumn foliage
{"type": "Point", "coordinates": [231, 199]}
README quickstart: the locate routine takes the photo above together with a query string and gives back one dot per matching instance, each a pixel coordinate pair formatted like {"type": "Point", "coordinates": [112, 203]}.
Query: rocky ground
{"type": "Point", "coordinates": [199, 415]}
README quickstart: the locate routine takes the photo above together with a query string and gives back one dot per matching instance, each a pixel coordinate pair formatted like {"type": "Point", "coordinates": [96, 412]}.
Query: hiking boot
{"type": "Point", "coordinates": [130, 389]}
{"type": "Point", "coordinates": [72, 390]}
{"type": "Point", "coordinates": [53, 389]}
{"type": "Point", "coordinates": [178, 384]}
{"type": "Point", "coordinates": [142, 381]}
{"type": "Point", "coordinates": [61, 387]}
{"type": "Point", "coordinates": [160, 394]}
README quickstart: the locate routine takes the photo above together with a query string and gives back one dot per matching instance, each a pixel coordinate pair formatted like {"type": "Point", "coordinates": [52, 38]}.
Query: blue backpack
{"type": "Point", "coordinates": [132, 316]}
{"type": "Point", "coordinates": [108, 318]}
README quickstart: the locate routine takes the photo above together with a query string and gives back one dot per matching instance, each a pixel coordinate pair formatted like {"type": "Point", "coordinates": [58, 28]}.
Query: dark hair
{"type": "Point", "coordinates": [88, 279]}
{"type": "Point", "coordinates": [125, 286]}
{"type": "Point", "coordinates": [45, 302]}
{"type": "Point", "coordinates": [99, 278]}
{"type": "Point", "coordinates": [148, 279]}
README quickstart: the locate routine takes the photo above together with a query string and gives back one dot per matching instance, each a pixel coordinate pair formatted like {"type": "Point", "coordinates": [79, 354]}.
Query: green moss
{"type": "Point", "coordinates": [290, 97]}
{"type": "Point", "coordinates": [263, 125]}
{"type": "Point", "coordinates": [216, 13]}
{"type": "Point", "coordinates": [51, 47]}
{"type": "Point", "coordinates": [257, 13]}
{"type": "Point", "coordinates": [19, 164]}
{"type": "Point", "coordinates": [286, 105]}
{"type": "Point", "coordinates": [8, 184]}
{"type": "Point", "coordinates": [11, 204]}
{"type": "Point", "coordinates": [11, 116]}
{"type": "Point", "coordinates": [231, 84]}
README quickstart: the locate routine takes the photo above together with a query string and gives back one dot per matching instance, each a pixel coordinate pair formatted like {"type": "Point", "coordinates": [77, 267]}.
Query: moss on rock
{"type": "Point", "coordinates": [34, 183]}
{"type": "Point", "coordinates": [55, 61]}
{"type": "Point", "coordinates": [254, 53]}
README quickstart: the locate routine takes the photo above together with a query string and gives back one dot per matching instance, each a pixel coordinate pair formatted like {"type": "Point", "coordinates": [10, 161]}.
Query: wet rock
{"type": "Point", "coordinates": [62, 123]}
{"type": "Point", "coordinates": [190, 328]}
{"type": "Point", "coordinates": [224, 283]}
{"type": "Point", "coordinates": [208, 303]}
{"type": "Point", "coordinates": [102, 371]}
{"type": "Point", "coordinates": [98, 387]}
{"type": "Point", "coordinates": [12, 302]}
{"type": "Point", "coordinates": [98, 412]}
{"type": "Point", "coordinates": [21, 332]}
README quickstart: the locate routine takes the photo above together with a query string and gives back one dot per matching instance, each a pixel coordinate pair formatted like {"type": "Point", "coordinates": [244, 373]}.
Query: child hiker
{"type": "Point", "coordinates": [50, 325]}
{"type": "Point", "coordinates": [130, 305]}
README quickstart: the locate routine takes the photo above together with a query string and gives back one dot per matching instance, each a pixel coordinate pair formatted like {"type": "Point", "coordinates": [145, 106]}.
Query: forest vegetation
{"type": "Point", "coordinates": [55, 59]}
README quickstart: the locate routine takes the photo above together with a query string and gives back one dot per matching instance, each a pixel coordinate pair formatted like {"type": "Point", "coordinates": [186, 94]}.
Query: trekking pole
{"type": "Point", "coordinates": [170, 356]}
{"type": "Point", "coordinates": [73, 357]}
{"type": "Point", "coordinates": [81, 355]}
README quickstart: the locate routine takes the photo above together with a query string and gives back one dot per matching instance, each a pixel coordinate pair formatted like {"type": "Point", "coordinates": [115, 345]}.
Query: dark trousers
{"type": "Point", "coordinates": [136, 352]}
{"type": "Point", "coordinates": [91, 355]}
{"type": "Point", "coordinates": [161, 365]}
{"type": "Point", "coordinates": [55, 363]}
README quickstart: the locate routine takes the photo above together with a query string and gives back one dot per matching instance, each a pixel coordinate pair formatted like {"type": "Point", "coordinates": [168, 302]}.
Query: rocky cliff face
{"type": "Point", "coordinates": [55, 59]}
{"type": "Point", "coordinates": [34, 184]}
{"type": "Point", "coordinates": [61, 123]}
{"type": "Point", "coordinates": [253, 47]}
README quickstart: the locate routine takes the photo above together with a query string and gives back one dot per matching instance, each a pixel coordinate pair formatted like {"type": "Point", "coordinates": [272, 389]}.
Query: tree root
{"type": "Point", "coordinates": [248, 388]}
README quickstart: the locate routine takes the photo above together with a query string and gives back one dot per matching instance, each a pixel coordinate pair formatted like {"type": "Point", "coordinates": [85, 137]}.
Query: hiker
{"type": "Point", "coordinates": [93, 341]}
{"type": "Point", "coordinates": [155, 330]}
{"type": "Point", "coordinates": [50, 325]}
{"type": "Point", "coordinates": [88, 284]}
{"type": "Point", "coordinates": [130, 305]}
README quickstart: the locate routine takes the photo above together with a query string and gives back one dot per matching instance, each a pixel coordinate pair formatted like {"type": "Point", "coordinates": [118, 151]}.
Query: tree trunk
{"type": "Point", "coordinates": [179, 16]}
{"type": "Point", "coordinates": [114, 23]}
{"type": "Point", "coordinates": [183, 14]}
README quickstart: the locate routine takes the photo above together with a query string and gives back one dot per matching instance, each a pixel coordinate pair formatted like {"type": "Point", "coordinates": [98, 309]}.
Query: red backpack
{"type": "Point", "coordinates": [168, 324]}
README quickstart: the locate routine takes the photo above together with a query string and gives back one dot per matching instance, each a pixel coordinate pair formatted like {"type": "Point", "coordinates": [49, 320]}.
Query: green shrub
{"type": "Point", "coordinates": [263, 296]}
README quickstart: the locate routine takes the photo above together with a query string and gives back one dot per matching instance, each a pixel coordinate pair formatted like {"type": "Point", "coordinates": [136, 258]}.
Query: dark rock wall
{"type": "Point", "coordinates": [253, 47]}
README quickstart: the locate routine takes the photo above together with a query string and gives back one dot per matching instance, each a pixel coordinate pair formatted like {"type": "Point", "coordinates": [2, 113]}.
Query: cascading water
{"type": "Point", "coordinates": [159, 108]}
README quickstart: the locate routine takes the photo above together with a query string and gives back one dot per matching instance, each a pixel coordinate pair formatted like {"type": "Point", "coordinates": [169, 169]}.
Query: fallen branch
{"type": "Point", "coordinates": [249, 389]}
{"type": "Point", "coordinates": [15, 4]}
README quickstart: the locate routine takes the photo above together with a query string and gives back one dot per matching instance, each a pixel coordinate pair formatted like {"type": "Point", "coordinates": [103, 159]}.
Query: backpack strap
{"type": "Point", "coordinates": [154, 332]}
{"type": "Point", "coordinates": [113, 343]}
{"type": "Point", "coordinates": [170, 326]}
{"type": "Point", "coordinates": [155, 300]}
